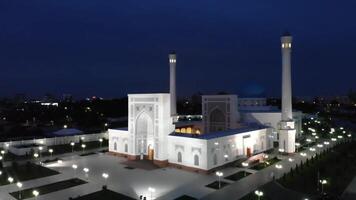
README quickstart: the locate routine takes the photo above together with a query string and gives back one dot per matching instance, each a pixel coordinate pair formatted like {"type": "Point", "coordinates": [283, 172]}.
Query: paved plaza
{"type": "Point", "coordinates": [134, 179]}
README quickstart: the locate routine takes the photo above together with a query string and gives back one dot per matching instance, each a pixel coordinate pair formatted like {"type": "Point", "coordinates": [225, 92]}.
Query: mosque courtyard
{"type": "Point", "coordinates": [140, 179]}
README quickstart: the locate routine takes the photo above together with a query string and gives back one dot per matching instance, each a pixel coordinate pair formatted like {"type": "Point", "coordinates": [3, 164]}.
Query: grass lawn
{"type": "Point", "coordinates": [25, 172]}
{"type": "Point", "coordinates": [337, 166]}
{"type": "Point", "coordinates": [215, 185]}
{"type": "Point", "coordinates": [45, 189]}
{"type": "Point", "coordinates": [59, 149]}
{"type": "Point", "coordinates": [237, 176]}
{"type": "Point", "coordinates": [185, 197]}
{"type": "Point", "coordinates": [263, 165]}
{"type": "Point", "coordinates": [104, 195]}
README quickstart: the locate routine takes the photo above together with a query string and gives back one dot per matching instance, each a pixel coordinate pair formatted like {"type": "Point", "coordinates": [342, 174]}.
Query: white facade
{"type": "Point", "coordinates": [149, 123]}
{"type": "Point", "coordinates": [207, 152]}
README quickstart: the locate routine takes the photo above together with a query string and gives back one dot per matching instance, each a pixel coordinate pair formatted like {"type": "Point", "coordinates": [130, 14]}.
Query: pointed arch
{"type": "Point", "coordinates": [217, 120]}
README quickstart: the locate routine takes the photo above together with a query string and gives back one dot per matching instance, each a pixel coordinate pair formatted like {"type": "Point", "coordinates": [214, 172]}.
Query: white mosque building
{"type": "Point", "coordinates": [231, 127]}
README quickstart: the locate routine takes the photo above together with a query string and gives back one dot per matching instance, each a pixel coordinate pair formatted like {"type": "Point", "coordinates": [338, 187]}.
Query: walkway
{"type": "Point", "coordinates": [250, 183]}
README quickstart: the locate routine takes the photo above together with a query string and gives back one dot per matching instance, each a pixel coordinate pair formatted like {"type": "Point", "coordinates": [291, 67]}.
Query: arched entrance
{"type": "Point", "coordinates": [144, 134]}
{"type": "Point", "coordinates": [217, 120]}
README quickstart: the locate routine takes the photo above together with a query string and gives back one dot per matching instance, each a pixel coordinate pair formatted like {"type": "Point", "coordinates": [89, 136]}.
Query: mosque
{"type": "Point", "coordinates": [231, 127]}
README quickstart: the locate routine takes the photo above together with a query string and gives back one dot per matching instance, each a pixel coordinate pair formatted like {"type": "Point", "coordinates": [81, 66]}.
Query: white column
{"type": "Point", "coordinates": [287, 130]}
{"type": "Point", "coordinates": [286, 78]}
{"type": "Point", "coordinates": [172, 82]}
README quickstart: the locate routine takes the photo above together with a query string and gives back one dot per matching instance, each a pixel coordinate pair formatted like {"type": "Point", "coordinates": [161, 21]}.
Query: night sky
{"type": "Point", "coordinates": [113, 47]}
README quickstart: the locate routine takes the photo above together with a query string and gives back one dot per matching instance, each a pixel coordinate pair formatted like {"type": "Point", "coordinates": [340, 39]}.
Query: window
{"type": "Point", "coordinates": [115, 146]}
{"type": "Point", "coordinates": [179, 157]}
{"type": "Point", "coordinates": [126, 148]}
{"type": "Point", "coordinates": [196, 160]}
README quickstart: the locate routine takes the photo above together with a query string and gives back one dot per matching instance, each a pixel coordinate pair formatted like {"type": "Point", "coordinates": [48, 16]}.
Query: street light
{"type": "Point", "coordinates": [19, 185]}
{"type": "Point", "coordinates": [83, 147]}
{"type": "Point", "coordinates": [219, 174]}
{"type": "Point", "coordinates": [226, 157]}
{"type": "Point", "coordinates": [278, 166]}
{"type": "Point", "coordinates": [72, 144]}
{"type": "Point", "coordinates": [86, 170]}
{"type": "Point", "coordinates": [101, 141]}
{"type": "Point", "coordinates": [35, 193]}
{"type": "Point", "coordinates": [297, 144]}
{"type": "Point", "coordinates": [151, 190]}
{"type": "Point", "coordinates": [75, 167]}
{"type": "Point", "coordinates": [2, 153]}
{"type": "Point", "coordinates": [10, 179]}
{"type": "Point", "coordinates": [323, 182]}
{"type": "Point", "coordinates": [40, 150]}
{"type": "Point", "coordinates": [51, 152]}
{"type": "Point", "coordinates": [105, 176]}
{"type": "Point", "coordinates": [259, 194]}
{"type": "Point", "coordinates": [303, 154]}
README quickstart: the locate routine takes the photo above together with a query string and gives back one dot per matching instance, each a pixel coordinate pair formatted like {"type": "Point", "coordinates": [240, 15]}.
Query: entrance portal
{"type": "Point", "coordinates": [150, 153]}
{"type": "Point", "coordinates": [248, 152]}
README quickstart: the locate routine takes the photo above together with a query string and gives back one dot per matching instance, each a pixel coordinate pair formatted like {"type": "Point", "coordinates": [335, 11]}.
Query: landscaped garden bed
{"type": "Point", "coordinates": [24, 172]}
{"type": "Point", "coordinates": [103, 195]}
{"type": "Point", "coordinates": [45, 189]}
{"type": "Point", "coordinates": [237, 176]}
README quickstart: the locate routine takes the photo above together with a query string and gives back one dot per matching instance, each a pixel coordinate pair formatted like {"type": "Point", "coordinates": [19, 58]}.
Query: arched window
{"type": "Point", "coordinates": [196, 160]}
{"type": "Point", "coordinates": [179, 157]}
{"type": "Point", "coordinates": [215, 159]}
{"type": "Point", "coordinates": [126, 148]}
{"type": "Point", "coordinates": [115, 146]}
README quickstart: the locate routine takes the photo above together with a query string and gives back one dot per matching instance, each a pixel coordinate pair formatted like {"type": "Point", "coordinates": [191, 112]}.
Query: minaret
{"type": "Point", "coordinates": [172, 82]}
{"type": "Point", "coordinates": [287, 130]}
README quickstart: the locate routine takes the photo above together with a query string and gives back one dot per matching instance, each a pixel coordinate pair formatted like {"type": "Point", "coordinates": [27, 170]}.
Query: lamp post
{"type": "Point", "coordinates": [75, 167]}
{"type": "Point", "coordinates": [35, 193]}
{"type": "Point", "coordinates": [323, 182]}
{"type": "Point", "coordinates": [40, 150]}
{"type": "Point", "coordinates": [259, 194]}
{"type": "Point", "coordinates": [151, 190]}
{"type": "Point", "coordinates": [19, 185]}
{"type": "Point", "coordinates": [3, 153]}
{"type": "Point", "coordinates": [51, 152]}
{"type": "Point", "coordinates": [83, 147]}
{"type": "Point", "coordinates": [86, 170]}
{"type": "Point", "coordinates": [245, 165]}
{"type": "Point", "coordinates": [35, 155]}
{"type": "Point", "coordinates": [105, 176]}
{"type": "Point", "coordinates": [101, 141]}
{"type": "Point", "coordinates": [10, 179]}
{"type": "Point", "coordinates": [72, 144]}
{"type": "Point", "coordinates": [219, 175]}
{"type": "Point", "coordinates": [297, 144]}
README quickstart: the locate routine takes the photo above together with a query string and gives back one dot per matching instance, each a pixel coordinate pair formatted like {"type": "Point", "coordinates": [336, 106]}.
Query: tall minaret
{"type": "Point", "coordinates": [172, 82]}
{"type": "Point", "coordinates": [287, 130]}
